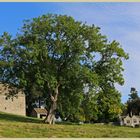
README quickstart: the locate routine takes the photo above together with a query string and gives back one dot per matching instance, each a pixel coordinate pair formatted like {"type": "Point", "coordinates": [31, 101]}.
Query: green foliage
{"type": "Point", "coordinates": [56, 53]}
{"type": "Point", "coordinates": [90, 106]}
{"type": "Point", "coordinates": [133, 95]}
{"type": "Point", "coordinates": [109, 105]}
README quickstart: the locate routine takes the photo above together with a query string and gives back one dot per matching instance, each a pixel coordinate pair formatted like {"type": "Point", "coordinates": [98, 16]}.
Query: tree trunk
{"type": "Point", "coordinates": [50, 119]}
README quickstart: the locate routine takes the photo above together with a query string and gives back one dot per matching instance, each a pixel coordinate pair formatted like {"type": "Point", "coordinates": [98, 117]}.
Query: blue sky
{"type": "Point", "coordinates": [119, 21]}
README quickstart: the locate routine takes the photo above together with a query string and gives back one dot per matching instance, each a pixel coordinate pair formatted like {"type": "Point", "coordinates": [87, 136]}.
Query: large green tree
{"type": "Point", "coordinates": [56, 55]}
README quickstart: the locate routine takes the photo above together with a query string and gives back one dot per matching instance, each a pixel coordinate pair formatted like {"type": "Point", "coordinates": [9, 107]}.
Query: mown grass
{"type": "Point", "coordinates": [20, 127]}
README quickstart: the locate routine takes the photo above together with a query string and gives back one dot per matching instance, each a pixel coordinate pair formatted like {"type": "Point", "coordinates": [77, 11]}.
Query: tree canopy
{"type": "Point", "coordinates": [56, 57]}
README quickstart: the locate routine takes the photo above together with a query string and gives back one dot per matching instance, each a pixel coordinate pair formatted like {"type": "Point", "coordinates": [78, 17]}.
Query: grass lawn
{"type": "Point", "coordinates": [21, 127]}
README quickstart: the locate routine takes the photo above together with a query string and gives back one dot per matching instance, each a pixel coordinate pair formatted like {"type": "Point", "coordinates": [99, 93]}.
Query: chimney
{"type": "Point", "coordinates": [131, 114]}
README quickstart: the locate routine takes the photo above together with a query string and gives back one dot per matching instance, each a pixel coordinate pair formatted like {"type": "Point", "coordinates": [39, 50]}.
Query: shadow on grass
{"type": "Point", "coordinates": [16, 118]}
{"type": "Point", "coordinates": [67, 123]}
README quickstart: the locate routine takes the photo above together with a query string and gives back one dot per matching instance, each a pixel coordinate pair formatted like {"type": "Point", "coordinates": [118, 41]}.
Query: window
{"type": "Point", "coordinates": [135, 121]}
{"type": "Point", "coordinates": [128, 121]}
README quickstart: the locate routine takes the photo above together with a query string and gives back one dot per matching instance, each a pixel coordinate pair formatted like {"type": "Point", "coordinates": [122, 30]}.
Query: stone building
{"type": "Point", "coordinates": [39, 113]}
{"type": "Point", "coordinates": [11, 102]}
{"type": "Point", "coordinates": [130, 121]}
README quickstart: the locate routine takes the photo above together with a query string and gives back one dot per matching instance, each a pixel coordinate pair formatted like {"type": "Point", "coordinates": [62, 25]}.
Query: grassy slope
{"type": "Point", "coordinates": [17, 126]}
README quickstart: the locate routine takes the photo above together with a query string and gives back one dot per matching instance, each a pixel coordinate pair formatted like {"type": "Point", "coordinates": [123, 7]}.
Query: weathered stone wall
{"type": "Point", "coordinates": [15, 105]}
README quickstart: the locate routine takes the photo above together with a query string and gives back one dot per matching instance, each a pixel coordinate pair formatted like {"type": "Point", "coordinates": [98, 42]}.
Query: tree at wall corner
{"type": "Point", "coordinates": [53, 51]}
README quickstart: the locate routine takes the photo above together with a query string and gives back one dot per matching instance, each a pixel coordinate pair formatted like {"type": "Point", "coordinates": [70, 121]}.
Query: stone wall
{"type": "Point", "coordinates": [15, 105]}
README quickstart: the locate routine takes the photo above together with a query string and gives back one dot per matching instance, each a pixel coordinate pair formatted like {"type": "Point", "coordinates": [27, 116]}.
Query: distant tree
{"type": "Point", "coordinates": [134, 94]}
{"type": "Point", "coordinates": [53, 51]}
{"type": "Point", "coordinates": [133, 103]}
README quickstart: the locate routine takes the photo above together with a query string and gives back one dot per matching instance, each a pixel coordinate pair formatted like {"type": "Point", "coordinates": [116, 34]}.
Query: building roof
{"type": "Point", "coordinates": [135, 116]}
{"type": "Point", "coordinates": [6, 89]}
{"type": "Point", "coordinates": [40, 111]}
{"type": "Point", "coordinates": [128, 117]}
